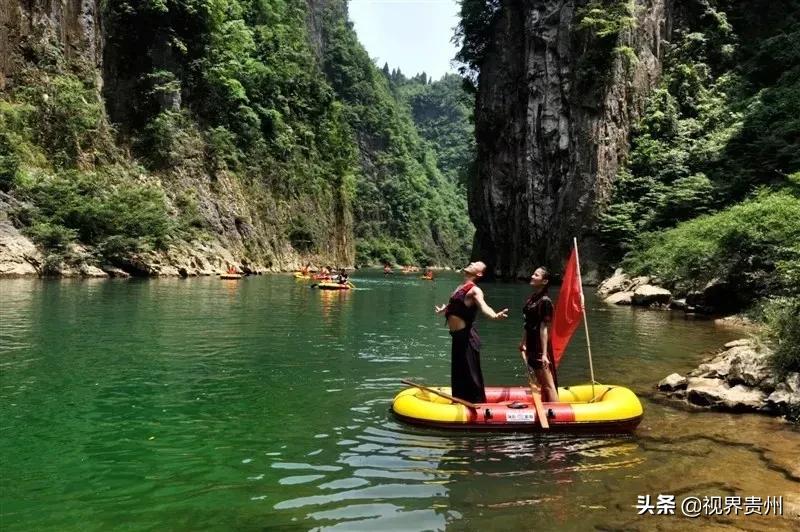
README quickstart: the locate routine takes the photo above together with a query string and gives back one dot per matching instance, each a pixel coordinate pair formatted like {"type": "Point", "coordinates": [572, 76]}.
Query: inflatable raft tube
{"type": "Point", "coordinates": [328, 285]}
{"type": "Point", "coordinates": [615, 409]}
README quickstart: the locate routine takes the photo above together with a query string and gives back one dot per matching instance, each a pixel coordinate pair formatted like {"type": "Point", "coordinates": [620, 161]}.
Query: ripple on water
{"type": "Point", "coordinates": [384, 491]}
{"type": "Point", "coordinates": [370, 517]}
{"type": "Point", "coordinates": [345, 483]}
{"type": "Point", "coordinates": [292, 465]}
{"type": "Point", "coordinates": [299, 479]}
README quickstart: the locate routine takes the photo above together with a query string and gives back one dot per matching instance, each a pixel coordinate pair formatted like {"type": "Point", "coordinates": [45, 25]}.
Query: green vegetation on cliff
{"type": "Point", "coordinates": [711, 190]}
{"type": "Point", "coordinates": [753, 246]}
{"type": "Point", "coordinates": [722, 126]}
{"type": "Point", "coordinates": [442, 112]}
{"type": "Point", "coordinates": [406, 209]}
{"type": "Point", "coordinates": [72, 184]}
{"type": "Point", "coordinates": [263, 124]}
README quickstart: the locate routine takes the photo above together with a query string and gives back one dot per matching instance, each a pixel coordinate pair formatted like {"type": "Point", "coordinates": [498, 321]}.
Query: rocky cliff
{"type": "Point", "coordinates": [73, 26]}
{"type": "Point", "coordinates": [261, 135]}
{"type": "Point", "coordinates": [244, 223]}
{"type": "Point", "coordinates": [555, 105]}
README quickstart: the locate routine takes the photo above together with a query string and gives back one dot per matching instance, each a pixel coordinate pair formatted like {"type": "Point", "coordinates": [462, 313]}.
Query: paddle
{"type": "Point", "coordinates": [440, 394]}
{"type": "Point", "coordinates": [535, 396]}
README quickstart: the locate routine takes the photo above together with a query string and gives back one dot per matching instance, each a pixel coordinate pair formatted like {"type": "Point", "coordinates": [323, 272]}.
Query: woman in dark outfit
{"type": "Point", "coordinates": [466, 378]}
{"type": "Point", "coordinates": [536, 347]}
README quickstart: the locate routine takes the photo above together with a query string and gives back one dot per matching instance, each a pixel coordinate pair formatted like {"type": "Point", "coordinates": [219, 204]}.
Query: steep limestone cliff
{"type": "Point", "coordinates": [28, 27]}
{"type": "Point", "coordinates": [552, 127]}
{"type": "Point", "coordinates": [261, 134]}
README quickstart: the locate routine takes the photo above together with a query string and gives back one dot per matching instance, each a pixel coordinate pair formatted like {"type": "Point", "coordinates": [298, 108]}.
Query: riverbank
{"type": "Point", "coordinates": [738, 378]}
{"type": "Point", "coordinates": [743, 376]}
{"type": "Point", "coordinates": [646, 291]}
{"type": "Point", "coordinates": [20, 257]}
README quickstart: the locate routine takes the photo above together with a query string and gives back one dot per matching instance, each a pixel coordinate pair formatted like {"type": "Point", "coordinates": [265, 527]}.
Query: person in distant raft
{"type": "Point", "coordinates": [466, 378]}
{"type": "Point", "coordinates": [536, 345]}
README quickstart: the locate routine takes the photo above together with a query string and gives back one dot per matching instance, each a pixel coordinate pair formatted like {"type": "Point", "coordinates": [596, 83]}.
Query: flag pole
{"type": "Point", "coordinates": [583, 309]}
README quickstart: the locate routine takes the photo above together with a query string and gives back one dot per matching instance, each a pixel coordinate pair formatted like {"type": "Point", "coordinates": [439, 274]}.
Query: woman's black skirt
{"type": "Point", "coordinates": [466, 378]}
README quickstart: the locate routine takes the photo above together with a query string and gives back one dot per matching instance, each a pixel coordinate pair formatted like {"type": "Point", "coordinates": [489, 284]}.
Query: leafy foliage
{"type": "Point", "coordinates": [723, 122]}
{"type": "Point", "coordinates": [474, 36]}
{"type": "Point", "coordinates": [442, 112]}
{"type": "Point", "coordinates": [58, 159]}
{"type": "Point", "coordinates": [230, 88]}
{"type": "Point", "coordinates": [605, 32]}
{"type": "Point", "coordinates": [751, 246]}
{"type": "Point", "coordinates": [606, 19]}
{"type": "Point", "coordinates": [782, 316]}
{"type": "Point", "coordinates": [402, 197]}
{"type": "Point", "coordinates": [112, 212]}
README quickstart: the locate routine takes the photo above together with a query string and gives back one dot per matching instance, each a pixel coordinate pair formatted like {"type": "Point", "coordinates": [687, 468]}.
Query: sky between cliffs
{"type": "Point", "coordinates": [413, 35]}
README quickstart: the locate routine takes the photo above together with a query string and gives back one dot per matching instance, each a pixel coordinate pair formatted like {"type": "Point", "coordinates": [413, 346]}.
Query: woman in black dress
{"type": "Point", "coordinates": [536, 346]}
{"type": "Point", "coordinates": [466, 377]}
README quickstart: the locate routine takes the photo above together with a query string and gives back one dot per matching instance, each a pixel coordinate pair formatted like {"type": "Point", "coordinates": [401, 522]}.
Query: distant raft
{"type": "Point", "coordinates": [331, 285]}
{"type": "Point", "coordinates": [308, 276]}
{"type": "Point", "coordinates": [230, 276]}
{"type": "Point", "coordinates": [615, 409]}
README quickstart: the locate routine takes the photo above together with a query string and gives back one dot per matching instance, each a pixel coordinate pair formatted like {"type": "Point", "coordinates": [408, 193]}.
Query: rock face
{"type": "Point", "coordinates": [649, 295]}
{"type": "Point", "coordinates": [620, 298]}
{"type": "Point", "coordinates": [229, 207]}
{"type": "Point", "coordinates": [620, 289]}
{"type": "Point", "coordinates": [739, 378]}
{"type": "Point", "coordinates": [550, 136]}
{"type": "Point", "coordinates": [73, 24]}
{"type": "Point", "coordinates": [18, 255]}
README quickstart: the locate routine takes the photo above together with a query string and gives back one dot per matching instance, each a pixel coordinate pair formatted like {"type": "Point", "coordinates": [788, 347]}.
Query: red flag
{"type": "Point", "coordinates": [569, 308]}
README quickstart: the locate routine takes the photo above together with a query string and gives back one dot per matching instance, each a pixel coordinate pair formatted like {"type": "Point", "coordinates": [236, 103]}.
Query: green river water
{"type": "Point", "coordinates": [263, 404]}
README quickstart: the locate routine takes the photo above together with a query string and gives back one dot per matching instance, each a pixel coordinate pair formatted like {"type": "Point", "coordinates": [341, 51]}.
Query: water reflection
{"type": "Point", "coordinates": [451, 475]}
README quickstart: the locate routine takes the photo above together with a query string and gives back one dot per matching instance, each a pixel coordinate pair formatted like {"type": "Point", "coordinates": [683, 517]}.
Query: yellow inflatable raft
{"type": "Point", "coordinates": [335, 285]}
{"type": "Point", "coordinates": [614, 409]}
